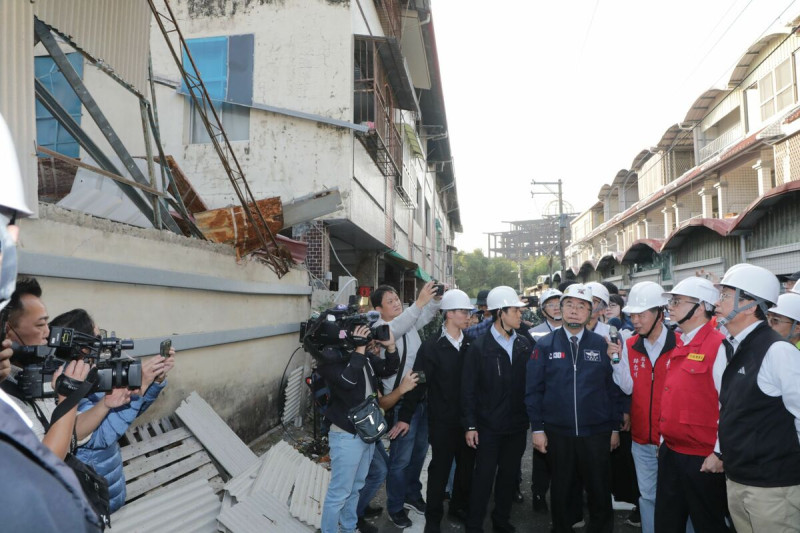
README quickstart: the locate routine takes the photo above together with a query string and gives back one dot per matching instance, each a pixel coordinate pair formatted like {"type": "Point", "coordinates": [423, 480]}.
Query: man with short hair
{"type": "Point", "coordinates": [784, 318]}
{"type": "Point", "coordinates": [600, 301]}
{"type": "Point", "coordinates": [493, 409]}
{"type": "Point", "coordinates": [691, 482]}
{"type": "Point", "coordinates": [759, 424]}
{"type": "Point", "coordinates": [409, 434]}
{"type": "Point", "coordinates": [790, 281]}
{"type": "Point", "coordinates": [574, 410]}
{"type": "Point", "coordinates": [440, 359]}
{"type": "Point", "coordinates": [640, 372]}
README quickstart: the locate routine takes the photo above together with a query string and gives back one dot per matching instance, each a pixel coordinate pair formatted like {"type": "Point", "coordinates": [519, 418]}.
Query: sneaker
{"type": "Point", "coordinates": [400, 519]}
{"type": "Point", "coordinates": [372, 510]}
{"type": "Point", "coordinates": [418, 506]}
{"type": "Point", "coordinates": [365, 527]}
{"type": "Point", "coordinates": [539, 504]}
{"type": "Point", "coordinates": [634, 518]}
{"type": "Point", "coordinates": [578, 525]}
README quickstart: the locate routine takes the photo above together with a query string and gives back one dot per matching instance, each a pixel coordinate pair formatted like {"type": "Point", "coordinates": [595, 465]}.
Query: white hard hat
{"type": "Point", "coordinates": [12, 195]}
{"type": "Point", "coordinates": [643, 296]}
{"type": "Point", "coordinates": [788, 306]}
{"type": "Point", "coordinates": [796, 288]}
{"type": "Point", "coordinates": [503, 296]}
{"type": "Point", "coordinates": [579, 291]}
{"type": "Point", "coordinates": [696, 287]}
{"type": "Point", "coordinates": [455, 299]}
{"type": "Point", "coordinates": [754, 280]}
{"type": "Point", "coordinates": [599, 290]}
{"type": "Point", "coordinates": [548, 294]}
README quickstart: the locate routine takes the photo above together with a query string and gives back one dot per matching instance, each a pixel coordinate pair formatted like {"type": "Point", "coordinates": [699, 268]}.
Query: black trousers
{"type": "Point", "coordinates": [684, 491]}
{"type": "Point", "coordinates": [589, 458]}
{"type": "Point", "coordinates": [447, 444]}
{"type": "Point", "coordinates": [624, 486]}
{"type": "Point", "coordinates": [498, 454]}
{"type": "Point", "coordinates": [540, 474]}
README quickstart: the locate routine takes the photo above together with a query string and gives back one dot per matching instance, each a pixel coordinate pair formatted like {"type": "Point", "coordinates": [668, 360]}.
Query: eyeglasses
{"type": "Point", "coordinates": [675, 302]}
{"type": "Point", "coordinates": [774, 321]}
{"type": "Point", "coordinates": [725, 295]}
{"type": "Point", "coordinates": [571, 306]}
{"type": "Point", "coordinates": [551, 306]}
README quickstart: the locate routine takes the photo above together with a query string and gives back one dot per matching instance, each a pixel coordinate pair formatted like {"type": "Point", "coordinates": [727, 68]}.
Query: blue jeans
{"type": "Point", "coordinates": [645, 457]}
{"type": "Point", "coordinates": [406, 456]}
{"type": "Point", "coordinates": [378, 469]}
{"type": "Point", "coordinates": [350, 459]}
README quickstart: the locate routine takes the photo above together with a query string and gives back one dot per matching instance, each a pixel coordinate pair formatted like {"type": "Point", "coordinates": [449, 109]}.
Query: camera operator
{"type": "Point", "coordinates": [26, 324]}
{"type": "Point", "coordinates": [351, 378]}
{"type": "Point", "coordinates": [106, 417]}
{"type": "Point", "coordinates": [40, 493]}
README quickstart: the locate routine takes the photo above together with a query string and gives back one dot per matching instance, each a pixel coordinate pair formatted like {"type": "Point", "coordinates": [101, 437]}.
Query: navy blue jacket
{"type": "Point", "coordinates": [493, 387]}
{"type": "Point", "coordinates": [577, 398]}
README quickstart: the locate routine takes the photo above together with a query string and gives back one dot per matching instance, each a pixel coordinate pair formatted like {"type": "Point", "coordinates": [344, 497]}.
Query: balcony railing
{"type": "Point", "coordinates": [714, 147]}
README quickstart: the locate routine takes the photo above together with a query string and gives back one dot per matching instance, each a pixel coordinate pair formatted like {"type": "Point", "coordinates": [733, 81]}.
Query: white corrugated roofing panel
{"type": "Point", "coordinates": [192, 505]}
{"type": "Point", "coordinates": [278, 471]}
{"type": "Point", "coordinates": [294, 392]}
{"type": "Point", "coordinates": [309, 493]}
{"type": "Point", "coordinates": [239, 486]}
{"type": "Point", "coordinates": [215, 435]}
{"type": "Point", "coordinates": [258, 513]}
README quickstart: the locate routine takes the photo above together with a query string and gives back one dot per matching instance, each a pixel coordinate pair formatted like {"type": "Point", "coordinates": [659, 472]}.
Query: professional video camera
{"type": "Point", "coordinates": [334, 329]}
{"type": "Point", "coordinates": [39, 363]}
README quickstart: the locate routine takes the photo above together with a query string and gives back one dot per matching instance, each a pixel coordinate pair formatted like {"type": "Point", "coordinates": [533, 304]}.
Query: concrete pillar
{"type": "Point", "coordinates": [669, 219]}
{"type": "Point", "coordinates": [707, 199]}
{"type": "Point", "coordinates": [317, 235]}
{"type": "Point", "coordinates": [722, 197]}
{"type": "Point", "coordinates": [621, 241]}
{"type": "Point", "coordinates": [763, 170]}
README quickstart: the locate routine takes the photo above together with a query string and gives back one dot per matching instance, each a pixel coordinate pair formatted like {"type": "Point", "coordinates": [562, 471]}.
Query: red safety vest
{"type": "Point", "coordinates": [690, 403]}
{"type": "Point", "coordinates": [648, 383]}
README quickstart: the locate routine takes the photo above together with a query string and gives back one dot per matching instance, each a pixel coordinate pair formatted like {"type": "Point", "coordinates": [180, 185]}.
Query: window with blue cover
{"type": "Point", "coordinates": [49, 133]}
{"type": "Point", "coordinates": [225, 64]}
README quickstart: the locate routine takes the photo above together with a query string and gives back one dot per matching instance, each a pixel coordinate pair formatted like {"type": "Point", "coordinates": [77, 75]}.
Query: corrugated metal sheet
{"type": "Point", "coordinates": [184, 507]}
{"type": "Point", "coordinates": [17, 104]}
{"type": "Point", "coordinates": [781, 225]}
{"type": "Point", "coordinates": [714, 265]}
{"type": "Point", "coordinates": [239, 486]}
{"type": "Point", "coordinates": [215, 435]}
{"type": "Point", "coordinates": [116, 32]}
{"type": "Point", "coordinates": [258, 513]}
{"type": "Point", "coordinates": [278, 471]}
{"type": "Point", "coordinates": [310, 488]}
{"type": "Point", "coordinates": [294, 395]}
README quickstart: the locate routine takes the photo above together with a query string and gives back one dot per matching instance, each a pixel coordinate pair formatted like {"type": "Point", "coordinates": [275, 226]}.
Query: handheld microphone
{"type": "Point", "coordinates": [614, 335]}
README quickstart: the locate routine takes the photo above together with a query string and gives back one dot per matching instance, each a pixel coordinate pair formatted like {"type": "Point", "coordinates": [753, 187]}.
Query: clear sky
{"type": "Point", "coordinates": [575, 90]}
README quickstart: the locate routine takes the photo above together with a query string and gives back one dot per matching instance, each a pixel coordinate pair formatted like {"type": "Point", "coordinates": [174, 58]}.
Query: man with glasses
{"type": "Point", "coordinates": [785, 317]}
{"type": "Point", "coordinates": [759, 424]}
{"type": "Point", "coordinates": [575, 411]}
{"type": "Point", "coordinates": [790, 281]}
{"type": "Point", "coordinates": [640, 372]}
{"type": "Point", "coordinates": [440, 359]}
{"type": "Point", "coordinates": [600, 301]}
{"type": "Point", "coordinates": [691, 482]}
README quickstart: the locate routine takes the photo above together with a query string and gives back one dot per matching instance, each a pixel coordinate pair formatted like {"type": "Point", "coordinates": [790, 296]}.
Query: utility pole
{"type": "Point", "coordinates": [562, 223]}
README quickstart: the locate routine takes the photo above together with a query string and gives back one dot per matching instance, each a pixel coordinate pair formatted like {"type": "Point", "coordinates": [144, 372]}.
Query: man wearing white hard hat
{"type": "Point", "coordinates": [691, 482]}
{"type": "Point", "coordinates": [600, 301]}
{"type": "Point", "coordinates": [640, 372]}
{"type": "Point", "coordinates": [493, 409]}
{"type": "Point", "coordinates": [40, 492]}
{"type": "Point", "coordinates": [759, 425]}
{"type": "Point", "coordinates": [440, 360]}
{"type": "Point", "coordinates": [575, 411]}
{"type": "Point", "coordinates": [785, 317]}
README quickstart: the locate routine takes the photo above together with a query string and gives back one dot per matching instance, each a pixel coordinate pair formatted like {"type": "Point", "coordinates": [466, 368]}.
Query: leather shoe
{"type": "Point", "coordinates": [518, 497]}
{"type": "Point", "coordinates": [372, 510]}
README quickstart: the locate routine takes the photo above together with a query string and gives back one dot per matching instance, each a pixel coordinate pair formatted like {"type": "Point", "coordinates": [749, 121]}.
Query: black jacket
{"type": "Point", "coordinates": [493, 387]}
{"type": "Point", "coordinates": [442, 364]}
{"type": "Point", "coordinates": [346, 381]}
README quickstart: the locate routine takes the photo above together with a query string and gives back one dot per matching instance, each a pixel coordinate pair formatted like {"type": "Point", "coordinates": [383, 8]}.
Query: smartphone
{"type": "Point", "coordinates": [439, 289]}
{"type": "Point", "coordinates": [165, 347]}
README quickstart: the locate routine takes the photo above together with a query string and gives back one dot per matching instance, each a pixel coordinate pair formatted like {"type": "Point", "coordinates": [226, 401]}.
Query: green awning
{"type": "Point", "coordinates": [413, 142]}
{"type": "Point", "coordinates": [399, 260]}
{"type": "Point", "coordinates": [421, 274]}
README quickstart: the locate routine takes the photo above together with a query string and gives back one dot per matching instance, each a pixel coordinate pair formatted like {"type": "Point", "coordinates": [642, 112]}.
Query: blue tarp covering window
{"type": "Point", "coordinates": [49, 133]}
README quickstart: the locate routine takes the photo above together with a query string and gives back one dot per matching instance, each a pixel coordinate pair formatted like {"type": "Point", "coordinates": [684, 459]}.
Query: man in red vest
{"type": "Point", "coordinates": [691, 481]}
{"type": "Point", "coordinates": [640, 372]}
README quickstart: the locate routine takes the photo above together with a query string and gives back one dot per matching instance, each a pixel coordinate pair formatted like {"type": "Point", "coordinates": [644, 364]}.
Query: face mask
{"type": "Point", "coordinates": [8, 272]}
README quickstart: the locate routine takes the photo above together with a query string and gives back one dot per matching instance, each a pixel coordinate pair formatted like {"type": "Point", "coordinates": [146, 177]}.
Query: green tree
{"type": "Point", "coordinates": [474, 271]}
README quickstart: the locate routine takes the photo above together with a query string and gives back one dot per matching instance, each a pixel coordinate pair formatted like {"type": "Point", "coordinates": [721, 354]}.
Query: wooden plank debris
{"type": "Point", "coordinates": [229, 225]}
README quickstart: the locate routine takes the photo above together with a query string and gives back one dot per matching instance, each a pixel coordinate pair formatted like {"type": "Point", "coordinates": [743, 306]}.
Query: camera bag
{"type": "Point", "coordinates": [94, 486]}
{"type": "Point", "coordinates": [367, 417]}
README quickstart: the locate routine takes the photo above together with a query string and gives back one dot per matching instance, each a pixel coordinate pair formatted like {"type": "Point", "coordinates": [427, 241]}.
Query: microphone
{"type": "Point", "coordinates": [613, 333]}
